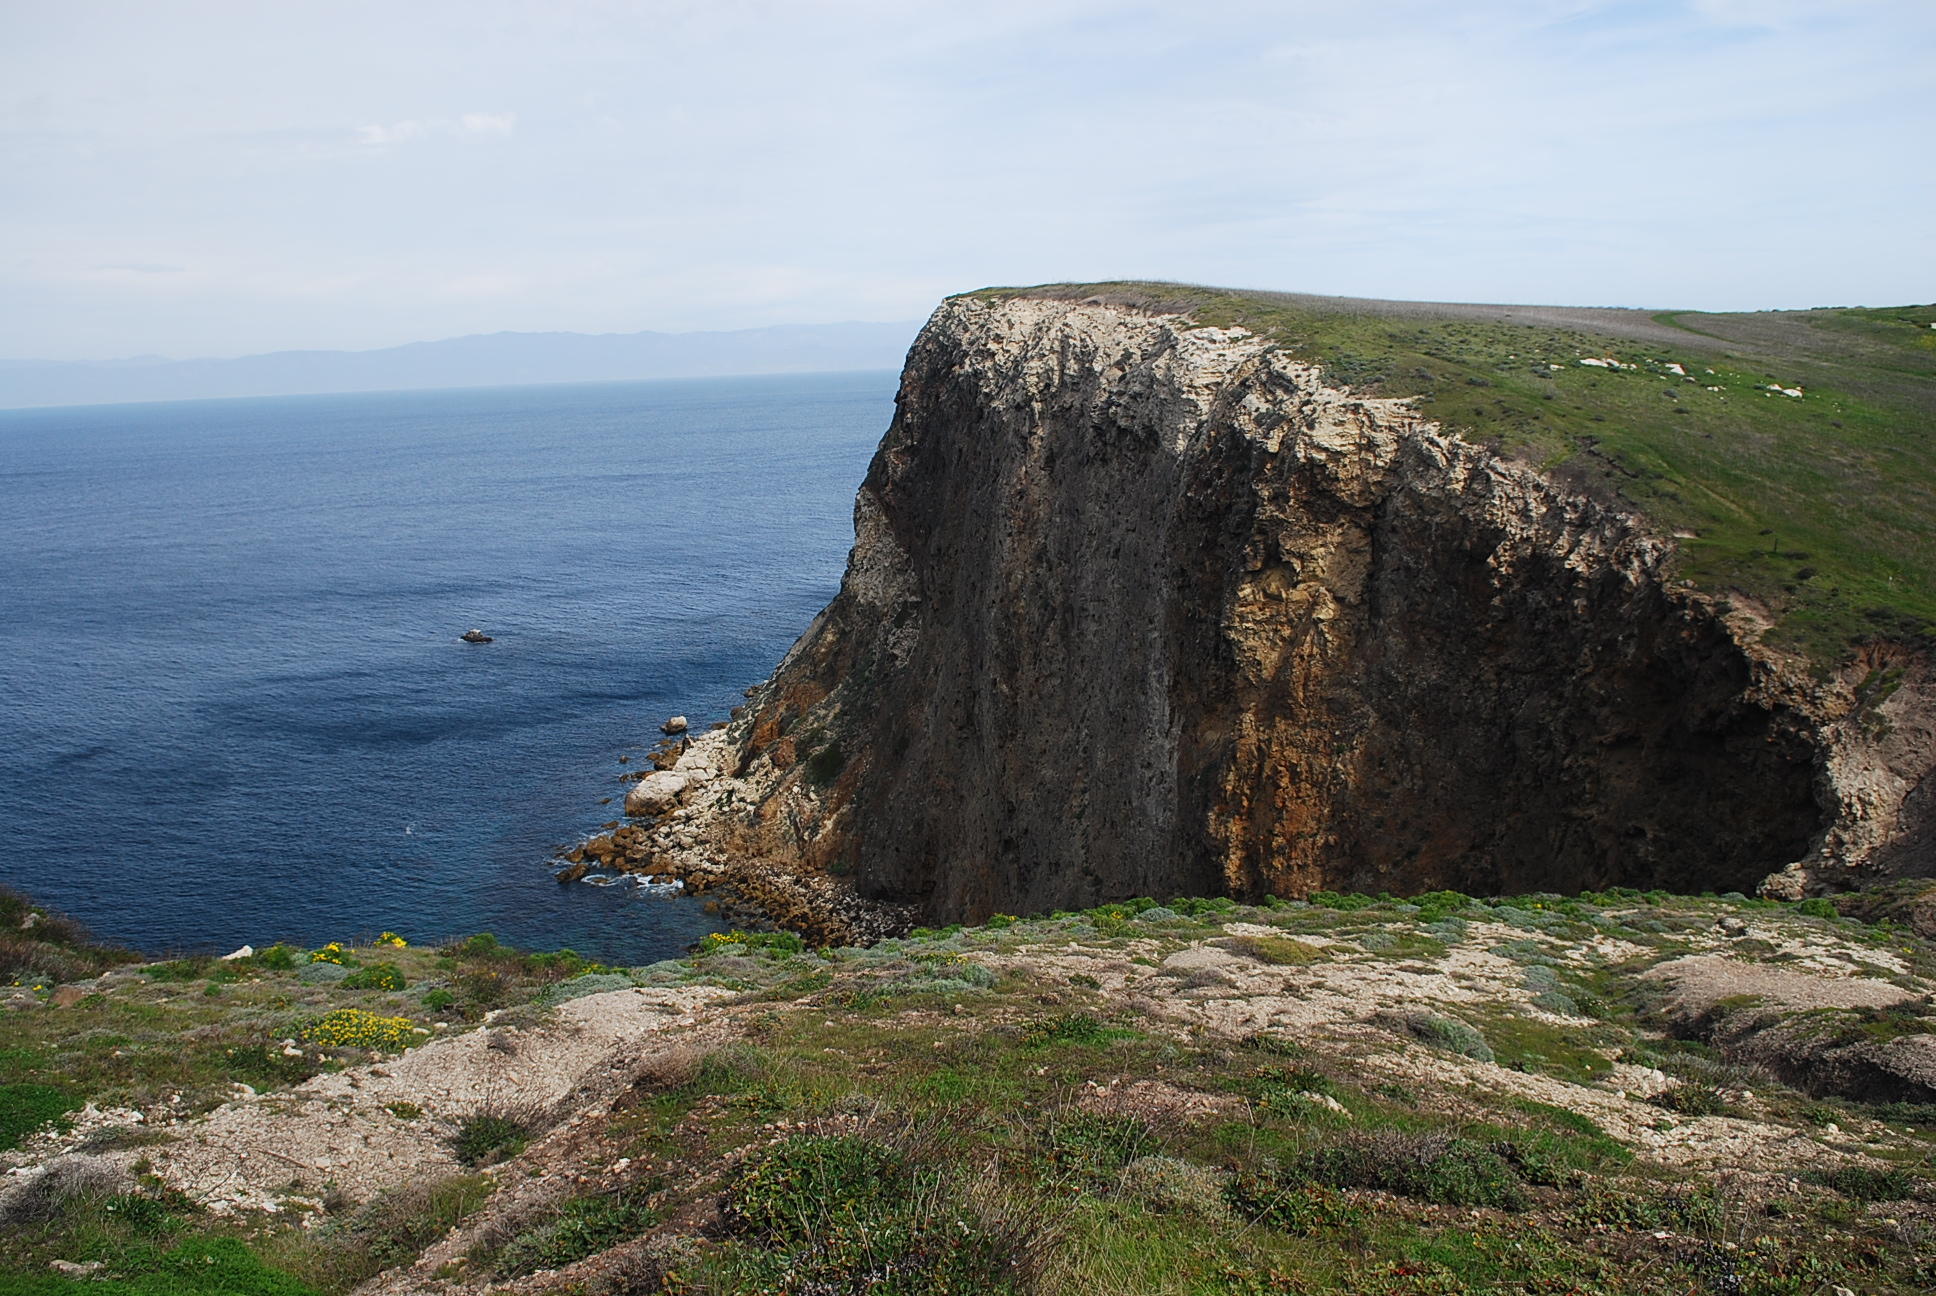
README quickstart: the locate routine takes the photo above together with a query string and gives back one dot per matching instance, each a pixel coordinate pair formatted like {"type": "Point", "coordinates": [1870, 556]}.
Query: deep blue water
{"type": "Point", "coordinates": [233, 704]}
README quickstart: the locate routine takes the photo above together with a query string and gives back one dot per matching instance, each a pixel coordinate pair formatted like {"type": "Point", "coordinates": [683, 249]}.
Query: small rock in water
{"type": "Point", "coordinates": [677, 724]}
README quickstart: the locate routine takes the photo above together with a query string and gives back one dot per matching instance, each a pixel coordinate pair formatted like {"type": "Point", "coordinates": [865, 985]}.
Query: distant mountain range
{"type": "Point", "coordinates": [481, 360]}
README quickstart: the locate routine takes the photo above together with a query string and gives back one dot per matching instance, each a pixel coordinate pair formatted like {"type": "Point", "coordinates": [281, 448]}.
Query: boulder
{"type": "Point", "coordinates": [247, 951]}
{"type": "Point", "coordinates": [676, 725]}
{"type": "Point", "coordinates": [656, 793]}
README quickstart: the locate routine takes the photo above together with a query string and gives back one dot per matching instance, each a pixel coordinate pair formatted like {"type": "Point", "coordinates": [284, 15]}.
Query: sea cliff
{"type": "Point", "coordinates": [1141, 606]}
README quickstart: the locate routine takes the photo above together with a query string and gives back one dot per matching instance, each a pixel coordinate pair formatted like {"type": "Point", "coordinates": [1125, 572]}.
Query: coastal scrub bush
{"type": "Point", "coordinates": [1436, 906]}
{"type": "Point", "coordinates": [181, 969]}
{"type": "Point", "coordinates": [496, 1132]}
{"type": "Point", "coordinates": [1689, 1209]}
{"type": "Point", "coordinates": [1289, 1205]}
{"type": "Point", "coordinates": [838, 1213]}
{"type": "Point", "coordinates": [1175, 1186]}
{"type": "Point", "coordinates": [583, 1227]}
{"type": "Point", "coordinates": [1197, 906]}
{"type": "Point", "coordinates": [1089, 1150]}
{"type": "Point", "coordinates": [1447, 1169]}
{"type": "Point", "coordinates": [578, 987]}
{"type": "Point", "coordinates": [390, 1229]}
{"type": "Point", "coordinates": [1560, 1005]}
{"type": "Point", "coordinates": [1279, 951]}
{"type": "Point", "coordinates": [957, 977]}
{"type": "Point", "coordinates": [1864, 1183]}
{"type": "Point", "coordinates": [1691, 1099]}
{"type": "Point", "coordinates": [1449, 1034]}
{"type": "Point", "coordinates": [332, 953]}
{"type": "Point", "coordinates": [377, 976]}
{"type": "Point", "coordinates": [277, 958]}
{"type": "Point", "coordinates": [1818, 908]}
{"type": "Point", "coordinates": [391, 940]}
{"type": "Point", "coordinates": [1346, 903]}
{"type": "Point", "coordinates": [1066, 1028]}
{"type": "Point", "coordinates": [775, 944]}
{"type": "Point", "coordinates": [360, 1028]}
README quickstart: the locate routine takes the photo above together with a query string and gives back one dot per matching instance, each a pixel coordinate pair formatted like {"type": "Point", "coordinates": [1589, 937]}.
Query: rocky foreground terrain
{"type": "Point", "coordinates": [1610, 1093]}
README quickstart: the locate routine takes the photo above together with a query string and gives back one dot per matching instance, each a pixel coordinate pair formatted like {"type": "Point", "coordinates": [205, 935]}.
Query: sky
{"type": "Point", "coordinates": [205, 179]}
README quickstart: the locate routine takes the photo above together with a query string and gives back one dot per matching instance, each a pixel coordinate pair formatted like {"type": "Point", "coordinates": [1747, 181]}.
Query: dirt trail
{"type": "Point", "coordinates": [372, 1127]}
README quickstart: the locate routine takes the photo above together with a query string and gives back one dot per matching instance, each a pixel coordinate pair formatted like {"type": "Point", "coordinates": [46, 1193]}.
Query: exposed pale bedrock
{"type": "Point", "coordinates": [1136, 607]}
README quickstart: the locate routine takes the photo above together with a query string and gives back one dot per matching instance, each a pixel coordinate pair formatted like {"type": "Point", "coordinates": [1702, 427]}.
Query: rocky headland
{"type": "Point", "coordinates": [1140, 604]}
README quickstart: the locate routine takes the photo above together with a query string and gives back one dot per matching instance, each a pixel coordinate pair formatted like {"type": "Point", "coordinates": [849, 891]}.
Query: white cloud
{"type": "Point", "coordinates": [395, 133]}
{"type": "Point", "coordinates": [489, 123]}
{"type": "Point", "coordinates": [470, 123]}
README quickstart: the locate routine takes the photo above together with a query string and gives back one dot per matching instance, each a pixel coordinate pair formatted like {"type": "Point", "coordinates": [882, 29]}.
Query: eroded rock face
{"type": "Point", "coordinates": [1136, 607]}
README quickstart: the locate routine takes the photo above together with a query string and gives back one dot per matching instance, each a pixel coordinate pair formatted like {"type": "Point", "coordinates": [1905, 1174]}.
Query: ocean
{"type": "Point", "coordinates": [233, 702]}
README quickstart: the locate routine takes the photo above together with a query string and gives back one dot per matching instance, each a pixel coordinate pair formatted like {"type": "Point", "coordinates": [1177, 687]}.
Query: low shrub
{"type": "Point", "coordinates": [64, 1188]}
{"type": "Point", "coordinates": [841, 1213]}
{"type": "Point", "coordinates": [1197, 906]}
{"type": "Point", "coordinates": [1090, 1150]}
{"type": "Point", "coordinates": [391, 1229]}
{"type": "Point", "coordinates": [496, 1132]}
{"type": "Point", "coordinates": [1293, 1207]}
{"type": "Point", "coordinates": [1279, 951]}
{"type": "Point", "coordinates": [1344, 903]}
{"type": "Point", "coordinates": [360, 1028]}
{"type": "Point", "coordinates": [1865, 1183]}
{"type": "Point", "coordinates": [277, 958]}
{"type": "Point", "coordinates": [377, 976]}
{"type": "Point", "coordinates": [583, 1227]}
{"type": "Point", "coordinates": [578, 987]}
{"type": "Point", "coordinates": [1449, 1034]}
{"type": "Point", "coordinates": [1436, 906]}
{"type": "Point", "coordinates": [1066, 1028]}
{"type": "Point", "coordinates": [1688, 1210]}
{"type": "Point", "coordinates": [777, 944]}
{"type": "Point", "coordinates": [1690, 1099]}
{"type": "Point", "coordinates": [1560, 1005]}
{"type": "Point", "coordinates": [1173, 1186]}
{"type": "Point", "coordinates": [1446, 1169]}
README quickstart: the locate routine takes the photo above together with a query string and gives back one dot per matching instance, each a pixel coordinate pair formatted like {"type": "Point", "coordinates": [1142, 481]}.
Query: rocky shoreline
{"type": "Point", "coordinates": [683, 826]}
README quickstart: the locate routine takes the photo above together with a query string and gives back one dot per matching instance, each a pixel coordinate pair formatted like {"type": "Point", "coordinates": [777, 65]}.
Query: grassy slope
{"type": "Point", "coordinates": [904, 1108]}
{"type": "Point", "coordinates": [1822, 509]}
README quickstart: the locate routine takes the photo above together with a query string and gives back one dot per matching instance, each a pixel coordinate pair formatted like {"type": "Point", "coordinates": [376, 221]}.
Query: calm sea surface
{"type": "Point", "coordinates": [233, 704]}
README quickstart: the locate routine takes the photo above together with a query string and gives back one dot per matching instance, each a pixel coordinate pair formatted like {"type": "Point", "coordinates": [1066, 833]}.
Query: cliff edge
{"type": "Point", "coordinates": [1143, 606]}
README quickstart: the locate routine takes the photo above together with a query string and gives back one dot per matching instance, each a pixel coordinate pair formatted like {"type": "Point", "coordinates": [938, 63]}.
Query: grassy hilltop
{"type": "Point", "coordinates": [1821, 507]}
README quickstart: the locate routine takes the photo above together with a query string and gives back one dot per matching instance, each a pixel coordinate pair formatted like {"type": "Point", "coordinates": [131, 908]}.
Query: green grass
{"type": "Point", "coordinates": [1763, 484]}
{"type": "Point", "coordinates": [25, 1108]}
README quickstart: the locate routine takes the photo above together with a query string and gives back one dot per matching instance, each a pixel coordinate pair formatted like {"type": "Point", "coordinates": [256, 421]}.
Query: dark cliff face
{"type": "Point", "coordinates": [1136, 608]}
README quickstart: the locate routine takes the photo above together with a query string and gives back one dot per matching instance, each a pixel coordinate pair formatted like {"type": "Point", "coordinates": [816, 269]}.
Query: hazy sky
{"type": "Point", "coordinates": [218, 178]}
